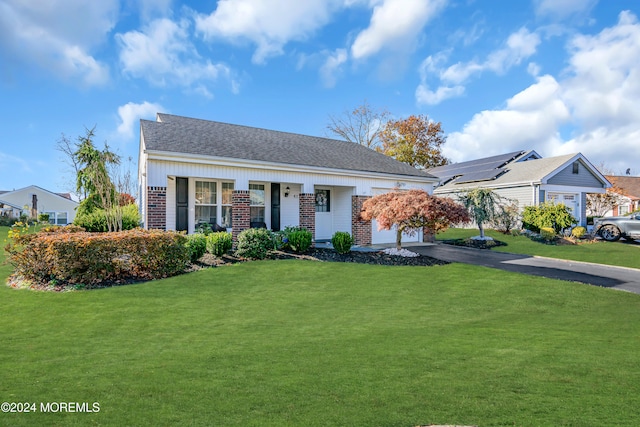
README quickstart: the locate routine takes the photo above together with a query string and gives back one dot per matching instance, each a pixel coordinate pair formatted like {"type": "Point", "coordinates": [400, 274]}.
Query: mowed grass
{"type": "Point", "coordinates": [624, 254]}
{"type": "Point", "coordinates": [303, 343]}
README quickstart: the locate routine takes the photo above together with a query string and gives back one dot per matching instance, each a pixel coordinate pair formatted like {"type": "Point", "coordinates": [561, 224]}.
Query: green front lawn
{"type": "Point", "coordinates": [302, 343]}
{"type": "Point", "coordinates": [616, 253]}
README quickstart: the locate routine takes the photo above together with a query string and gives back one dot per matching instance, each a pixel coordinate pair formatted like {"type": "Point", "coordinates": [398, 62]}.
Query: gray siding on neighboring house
{"type": "Point", "coordinates": [522, 195]}
{"type": "Point", "coordinates": [584, 178]}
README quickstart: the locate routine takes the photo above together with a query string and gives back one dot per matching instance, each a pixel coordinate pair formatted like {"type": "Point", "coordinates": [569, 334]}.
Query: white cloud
{"type": "Point", "coordinates": [532, 118]}
{"type": "Point", "coordinates": [58, 35]}
{"type": "Point", "coordinates": [395, 25]}
{"type": "Point", "coordinates": [269, 24]}
{"type": "Point", "coordinates": [163, 54]}
{"type": "Point", "coordinates": [519, 46]}
{"type": "Point", "coordinates": [333, 66]}
{"type": "Point", "coordinates": [130, 113]}
{"type": "Point", "coordinates": [563, 8]}
{"type": "Point", "coordinates": [598, 96]}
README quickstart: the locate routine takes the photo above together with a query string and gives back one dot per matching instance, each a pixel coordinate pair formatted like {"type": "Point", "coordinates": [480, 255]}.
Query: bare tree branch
{"type": "Point", "coordinates": [363, 125]}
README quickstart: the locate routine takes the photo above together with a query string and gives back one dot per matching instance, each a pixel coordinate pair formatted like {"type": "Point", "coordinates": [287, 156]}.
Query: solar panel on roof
{"type": "Point", "coordinates": [486, 175]}
{"type": "Point", "coordinates": [472, 166]}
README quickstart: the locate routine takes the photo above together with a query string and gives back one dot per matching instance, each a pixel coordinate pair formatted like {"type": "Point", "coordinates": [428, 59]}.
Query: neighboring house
{"type": "Point", "coordinates": [194, 171]}
{"type": "Point", "coordinates": [9, 210]}
{"type": "Point", "coordinates": [628, 188]}
{"type": "Point", "coordinates": [527, 178]}
{"type": "Point", "coordinates": [33, 200]}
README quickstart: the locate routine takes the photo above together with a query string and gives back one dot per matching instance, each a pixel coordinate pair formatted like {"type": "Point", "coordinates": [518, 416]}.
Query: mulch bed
{"type": "Point", "coordinates": [327, 255]}
{"type": "Point", "coordinates": [471, 243]}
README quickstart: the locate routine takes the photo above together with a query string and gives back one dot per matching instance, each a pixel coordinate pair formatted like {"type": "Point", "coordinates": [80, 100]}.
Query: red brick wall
{"type": "Point", "coordinates": [360, 229]}
{"type": "Point", "coordinates": [307, 206]}
{"type": "Point", "coordinates": [157, 208]}
{"type": "Point", "coordinates": [240, 213]}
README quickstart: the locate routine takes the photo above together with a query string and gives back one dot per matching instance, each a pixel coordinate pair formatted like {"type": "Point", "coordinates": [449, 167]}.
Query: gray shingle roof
{"type": "Point", "coordinates": [185, 135]}
{"type": "Point", "coordinates": [515, 172]}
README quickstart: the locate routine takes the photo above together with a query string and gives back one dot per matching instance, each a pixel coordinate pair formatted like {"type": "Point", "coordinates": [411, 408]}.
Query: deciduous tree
{"type": "Point", "coordinates": [415, 140]}
{"type": "Point", "coordinates": [408, 211]}
{"type": "Point", "coordinates": [363, 125]}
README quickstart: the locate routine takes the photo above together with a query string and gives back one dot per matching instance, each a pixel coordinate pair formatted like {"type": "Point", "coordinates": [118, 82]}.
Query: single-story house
{"type": "Point", "coordinates": [34, 200]}
{"type": "Point", "coordinates": [194, 171]}
{"type": "Point", "coordinates": [527, 178]}
{"type": "Point", "coordinates": [628, 188]}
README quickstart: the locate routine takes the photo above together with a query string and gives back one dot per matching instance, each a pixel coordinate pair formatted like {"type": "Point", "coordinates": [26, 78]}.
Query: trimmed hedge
{"type": "Point", "coordinates": [92, 259]}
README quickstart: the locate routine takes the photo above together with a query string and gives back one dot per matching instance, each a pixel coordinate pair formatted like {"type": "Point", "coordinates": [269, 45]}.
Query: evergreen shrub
{"type": "Point", "coordinates": [254, 243]}
{"type": "Point", "coordinates": [342, 242]}
{"type": "Point", "coordinates": [219, 243]}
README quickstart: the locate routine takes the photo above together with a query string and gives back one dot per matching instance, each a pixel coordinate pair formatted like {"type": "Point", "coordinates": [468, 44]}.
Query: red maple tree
{"type": "Point", "coordinates": [411, 210]}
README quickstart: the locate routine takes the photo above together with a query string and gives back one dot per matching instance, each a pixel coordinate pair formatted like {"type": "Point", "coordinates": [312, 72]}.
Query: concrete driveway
{"type": "Point", "coordinates": [621, 278]}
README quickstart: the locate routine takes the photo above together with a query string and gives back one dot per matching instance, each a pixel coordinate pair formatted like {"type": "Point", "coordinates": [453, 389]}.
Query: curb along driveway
{"type": "Point", "coordinates": [621, 278]}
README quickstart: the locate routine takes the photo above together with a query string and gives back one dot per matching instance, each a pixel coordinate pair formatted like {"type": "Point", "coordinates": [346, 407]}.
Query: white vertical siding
{"type": "Point", "coordinates": [342, 209]}
{"type": "Point", "coordinates": [342, 186]}
{"type": "Point", "coordinates": [289, 206]}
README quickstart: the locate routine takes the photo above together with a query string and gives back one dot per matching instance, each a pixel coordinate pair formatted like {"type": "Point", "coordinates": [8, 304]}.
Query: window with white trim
{"type": "Point", "coordinates": [206, 207]}
{"type": "Point", "coordinates": [256, 197]}
{"type": "Point", "coordinates": [227, 192]}
{"type": "Point", "coordinates": [58, 218]}
{"type": "Point", "coordinates": [213, 206]}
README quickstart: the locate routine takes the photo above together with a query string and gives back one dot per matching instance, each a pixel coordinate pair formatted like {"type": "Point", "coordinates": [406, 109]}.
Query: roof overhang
{"type": "Point", "coordinates": [257, 164]}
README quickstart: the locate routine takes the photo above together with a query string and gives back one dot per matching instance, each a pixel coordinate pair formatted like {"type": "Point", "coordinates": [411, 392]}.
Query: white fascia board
{"type": "Point", "coordinates": [571, 189]}
{"type": "Point", "coordinates": [494, 187]}
{"type": "Point", "coordinates": [256, 164]}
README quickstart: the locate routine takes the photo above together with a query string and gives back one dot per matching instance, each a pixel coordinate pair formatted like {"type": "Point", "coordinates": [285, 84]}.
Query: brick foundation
{"type": "Point", "coordinates": [360, 229]}
{"type": "Point", "coordinates": [157, 208]}
{"type": "Point", "coordinates": [307, 206]}
{"type": "Point", "coordinates": [240, 214]}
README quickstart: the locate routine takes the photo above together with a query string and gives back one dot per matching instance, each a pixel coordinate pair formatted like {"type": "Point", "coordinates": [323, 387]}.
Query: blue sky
{"type": "Point", "coordinates": [557, 76]}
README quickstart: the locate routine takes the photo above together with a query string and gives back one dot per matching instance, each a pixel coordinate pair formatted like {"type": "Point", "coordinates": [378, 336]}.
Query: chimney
{"type": "Point", "coordinates": [34, 206]}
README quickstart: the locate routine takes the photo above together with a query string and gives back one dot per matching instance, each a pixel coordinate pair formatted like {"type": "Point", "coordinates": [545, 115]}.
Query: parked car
{"type": "Point", "coordinates": [614, 227]}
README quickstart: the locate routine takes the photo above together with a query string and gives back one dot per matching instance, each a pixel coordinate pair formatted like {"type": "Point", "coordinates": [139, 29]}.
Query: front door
{"type": "Point", "coordinates": [324, 213]}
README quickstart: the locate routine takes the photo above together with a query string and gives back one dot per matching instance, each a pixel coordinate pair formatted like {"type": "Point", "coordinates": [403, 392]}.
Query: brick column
{"type": "Point", "coordinates": [307, 209]}
{"type": "Point", "coordinates": [156, 208]}
{"type": "Point", "coordinates": [240, 214]}
{"type": "Point", "coordinates": [360, 229]}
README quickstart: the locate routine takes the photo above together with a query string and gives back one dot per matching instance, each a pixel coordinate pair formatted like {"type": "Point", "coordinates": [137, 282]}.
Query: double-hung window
{"type": "Point", "coordinates": [213, 203]}
{"type": "Point", "coordinates": [206, 206]}
{"type": "Point", "coordinates": [256, 196]}
{"type": "Point", "coordinates": [227, 192]}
